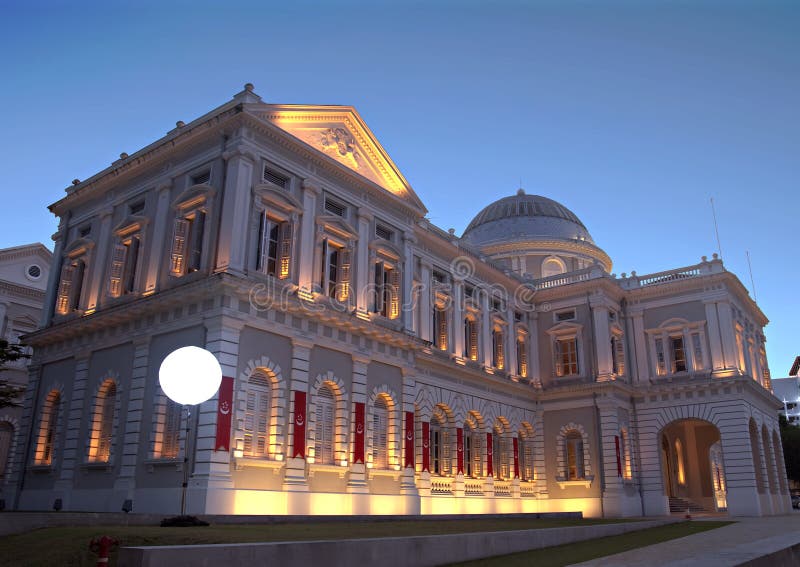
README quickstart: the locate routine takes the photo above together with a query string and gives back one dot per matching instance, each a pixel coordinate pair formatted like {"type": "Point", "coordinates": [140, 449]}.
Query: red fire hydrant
{"type": "Point", "coordinates": [102, 546]}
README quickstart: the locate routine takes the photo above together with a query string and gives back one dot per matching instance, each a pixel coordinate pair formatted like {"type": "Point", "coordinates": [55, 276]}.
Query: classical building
{"type": "Point", "coordinates": [24, 271]}
{"type": "Point", "coordinates": [374, 363]}
{"type": "Point", "coordinates": [787, 390]}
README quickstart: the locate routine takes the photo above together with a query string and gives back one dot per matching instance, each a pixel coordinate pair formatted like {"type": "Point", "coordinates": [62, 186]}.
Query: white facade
{"type": "Point", "coordinates": [378, 364]}
{"type": "Point", "coordinates": [24, 271]}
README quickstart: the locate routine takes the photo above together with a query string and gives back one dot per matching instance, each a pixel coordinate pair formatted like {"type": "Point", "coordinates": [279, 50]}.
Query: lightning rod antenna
{"type": "Point", "coordinates": [716, 228]}
{"type": "Point", "coordinates": [752, 282]}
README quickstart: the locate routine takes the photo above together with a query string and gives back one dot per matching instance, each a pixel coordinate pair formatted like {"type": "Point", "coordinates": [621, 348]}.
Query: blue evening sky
{"type": "Point", "coordinates": [632, 114]}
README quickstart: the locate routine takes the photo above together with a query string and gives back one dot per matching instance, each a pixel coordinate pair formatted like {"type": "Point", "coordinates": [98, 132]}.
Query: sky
{"type": "Point", "coordinates": [633, 114]}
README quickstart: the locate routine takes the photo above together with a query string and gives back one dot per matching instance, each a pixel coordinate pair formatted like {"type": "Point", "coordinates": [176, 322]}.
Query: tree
{"type": "Point", "coordinates": [790, 440]}
{"type": "Point", "coordinates": [10, 394]}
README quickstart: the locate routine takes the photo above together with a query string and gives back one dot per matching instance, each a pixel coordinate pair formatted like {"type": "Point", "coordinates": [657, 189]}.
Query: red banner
{"type": "Point", "coordinates": [516, 457]}
{"type": "Point", "coordinates": [619, 459]}
{"type": "Point", "coordinates": [299, 449]}
{"type": "Point", "coordinates": [409, 460]}
{"type": "Point", "coordinates": [358, 450]}
{"type": "Point", "coordinates": [460, 449]}
{"type": "Point", "coordinates": [224, 411]}
{"type": "Point", "coordinates": [489, 455]}
{"type": "Point", "coordinates": [426, 442]}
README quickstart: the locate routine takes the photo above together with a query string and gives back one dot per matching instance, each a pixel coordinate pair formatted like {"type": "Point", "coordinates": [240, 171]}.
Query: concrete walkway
{"type": "Point", "coordinates": [749, 539]}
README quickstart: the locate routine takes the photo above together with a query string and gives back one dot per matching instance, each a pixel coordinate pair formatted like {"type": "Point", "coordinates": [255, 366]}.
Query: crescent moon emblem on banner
{"type": "Point", "coordinates": [224, 408]}
{"type": "Point", "coordinates": [359, 429]}
{"type": "Point", "coordinates": [425, 444]}
{"type": "Point", "coordinates": [299, 420]}
{"type": "Point", "coordinates": [460, 449]}
{"type": "Point", "coordinates": [409, 436]}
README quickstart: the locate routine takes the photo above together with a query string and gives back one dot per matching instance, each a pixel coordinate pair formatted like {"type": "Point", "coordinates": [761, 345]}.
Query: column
{"type": "Point", "coordinates": [161, 243]}
{"type": "Point", "coordinates": [73, 454]}
{"type": "Point", "coordinates": [363, 264]}
{"type": "Point", "coordinates": [602, 339]}
{"type": "Point", "coordinates": [236, 199]}
{"type": "Point", "coordinates": [726, 329]}
{"type": "Point", "coordinates": [609, 429]}
{"type": "Point", "coordinates": [534, 367]}
{"type": "Point", "coordinates": [458, 319]}
{"type": "Point", "coordinates": [539, 467]}
{"type": "Point", "coordinates": [640, 341]}
{"type": "Point", "coordinates": [425, 305]}
{"type": "Point", "coordinates": [407, 481]}
{"type": "Point", "coordinates": [740, 473]}
{"type": "Point", "coordinates": [357, 477]}
{"type": "Point", "coordinates": [100, 257]}
{"type": "Point", "coordinates": [3, 311]}
{"type": "Point", "coordinates": [295, 478]}
{"type": "Point", "coordinates": [128, 453]}
{"type": "Point", "coordinates": [717, 359]}
{"type": "Point", "coordinates": [209, 475]}
{"type": "Point", "coordinates": [688, 350]}
{"type": "Point", "coordinates": [407, 296]}
{"type": "Point", "coordinates": [511, 343]}
{"type": "Point", "coordinates": [59, 238]}
{"type": "Point", "coordinates": [307, 239]}
{"type": "Point", "coordinates": [486, 330]}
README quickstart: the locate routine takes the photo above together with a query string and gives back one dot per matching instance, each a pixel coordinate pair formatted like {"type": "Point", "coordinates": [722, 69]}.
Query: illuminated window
{"type": "Point", "coordinates": [335, 270]}
{"type": "Point", "coordinates": [274, 251]}
{"type": "Point", "coordinates": [380, 434]}
{"type": "Point", "coordinates": [574, 453]}
{"type": "Point", "coordinates": [498, 349]}
{"type": "Point", "coordinates": [439, 445]}
{"type": "Point", "coordinates": [48, 428]}
{"type": "Point", "coordinates": [522, 355]}
{"type": "Point", "coordinates": [680, 462]}
{"type": "Point", "coordinates": [617, 355]}
{"type": "Point", "coordinates": [503, 452]}
{"type": "Point", "coordinates": [525, 448]}
{"type": "Point", "coordinates": [324, 440]}
{"type": "Point", "coordinates": [625, 454]}
{"type": "Point", "coordinates": [386, 294]}
{"type": "Point", "coordinates": [553, 266]}
{"type": "Point", "coordinates": [471, 338]}
{"type": "Point", "coordinates": [473, 459]}
{"type": "Point", "coordinates": [171, 432]}
{"type": "Point", "coordinates": [124, 264]}
{"type": "Point", "coordinates": [257, 414]}
{"type": "Point", "coordinates": [103, 423]}
{"type": "Point", "coordinates": [70, 286]}
{"type": "Point", "coordinates": [565, 354]}
{"type": "Point", "coordinates": [677, 354]}
{"type": "Point", "coordinates": [187, 241]}
{"type": "Point", "coordinates": [440, 327]}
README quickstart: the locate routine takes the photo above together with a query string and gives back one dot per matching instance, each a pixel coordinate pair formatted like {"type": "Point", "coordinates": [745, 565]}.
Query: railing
{"type": "Point", "coordinates": [570, 277]}
{"type": "Point", "coordinates": [527, 489]}
{"type": "Point", "coordinates": [441, 486]}
{"type": "Point", "coordinates": [473, 488]}
{"type": "Point", "coordinates": [705, 267]}
{"type": "Point", "coordinates": [502, 488]}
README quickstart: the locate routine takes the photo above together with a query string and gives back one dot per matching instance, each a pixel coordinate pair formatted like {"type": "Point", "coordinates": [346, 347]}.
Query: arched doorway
{"type": "Point", "coordinates": [692, 466]}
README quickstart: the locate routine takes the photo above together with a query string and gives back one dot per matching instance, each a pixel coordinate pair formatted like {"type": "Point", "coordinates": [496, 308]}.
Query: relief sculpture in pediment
{"type": "Point", "coordinates": [340, 142]}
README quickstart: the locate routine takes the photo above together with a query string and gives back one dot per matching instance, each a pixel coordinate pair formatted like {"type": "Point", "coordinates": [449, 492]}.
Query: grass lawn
{"type": "Point", "coordinates": [592, 549]}
{"type": "Point", "coordinates": [69, 546]}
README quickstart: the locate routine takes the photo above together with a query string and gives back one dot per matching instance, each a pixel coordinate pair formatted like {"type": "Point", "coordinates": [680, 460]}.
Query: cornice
{"type": "Point", "coordinates": [548, 245]}
{"type": "Point", "coordinates": [24, 291]}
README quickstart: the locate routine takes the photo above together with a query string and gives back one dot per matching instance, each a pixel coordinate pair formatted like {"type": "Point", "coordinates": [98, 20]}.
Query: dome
{"type": "Point", "coordinates": [525, 217]}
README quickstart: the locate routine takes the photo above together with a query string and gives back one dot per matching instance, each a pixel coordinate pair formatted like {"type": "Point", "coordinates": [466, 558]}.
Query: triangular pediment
{"type": "Point", "coordinates": [339, 133]}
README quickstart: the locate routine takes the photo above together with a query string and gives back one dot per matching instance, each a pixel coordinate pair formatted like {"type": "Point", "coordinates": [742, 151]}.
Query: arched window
{"type": "Point", "coordinates": [380, 434]}
{"type": "Point", "coordinates": [680, 462]}
{"type": "Point", "coordinates": [324, 440]}
{"type": "Point", "coordinates": [473, 460]}
{"type": "Point", "coordinates": [6, 437]}
{"type": "Point", "coordinates": [103, 423]}
{"type": "Point", "coordinates": [257, 411]}
{"type": "Point", "coordinates": [574, 450]}
{"type": "Point", "coordinates": [439, 446]}
{"type": "Point", "coordinates": [47, 429]}
{"type": "Point", "coordinates": [552, 266]}
{"type": "Point", "coordinates": [171, 434]}
{"type": "Point", "coordinates": [503, 454]}
{"type": "Point", "coordinates": [525, 448]}
{"type": "Point", "coordinates": [756, 450]}
{"type": "Point", "coordinates": [625, 454]}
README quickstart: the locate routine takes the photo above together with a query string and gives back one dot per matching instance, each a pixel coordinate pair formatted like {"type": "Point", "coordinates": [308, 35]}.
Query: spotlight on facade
{"type": "Point", "coordinates": [190, 375]}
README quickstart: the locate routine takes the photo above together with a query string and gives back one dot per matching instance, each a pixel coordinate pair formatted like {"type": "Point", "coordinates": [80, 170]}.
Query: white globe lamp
{"type": "Point", "coordinates": [190, 375]}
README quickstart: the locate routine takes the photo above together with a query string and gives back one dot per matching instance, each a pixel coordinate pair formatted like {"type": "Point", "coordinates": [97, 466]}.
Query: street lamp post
{"type": "Point", "coordinates": [189, 376]}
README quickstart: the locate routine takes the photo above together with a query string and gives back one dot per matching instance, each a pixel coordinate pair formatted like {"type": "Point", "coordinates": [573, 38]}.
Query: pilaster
{"type": "Point", "coordinates": [71, 456]}
{"type": "Point", "coordinates": [727, 334]}
{"type": "Point", "coordinates": [714, 338]}
{"type": "Point", "coordinates": [133, 419]}
{"type": "Point", "coordinates": [425, 305]}
{"type": "Point", "coordinates": [363, 264]}
{"type": "Point", "coordinates": [602, 340]}
{"type": "Point", "coordinates": [407, 481]}
{"type": "Point", "coordinates": [640, 341]}
{"type": "Point", "coordinates": [357, 479]}
{"type": "Point", "coordinates": [408, 302]}
{"type": "Point", "coordinates": [295, 476]}
{"type": "Point", "coordinates": [486, 330]}
{"type": "Point", "coordinates": [232, 238]}
{"type": "Point", "coordinates": [59, 238]}
{"type": "Point", "coordinates": [458, 318]}
{"type": "Point", "coordinates": [160, 241]}
{"type": "Point", "coordinates": [534, 367]}
{"type": "Point", "coordinates": [99, 260]}
{"type": "Point", "coordinates": [306, 268]}
{"type": "Point", "coordinates": [511, 343]}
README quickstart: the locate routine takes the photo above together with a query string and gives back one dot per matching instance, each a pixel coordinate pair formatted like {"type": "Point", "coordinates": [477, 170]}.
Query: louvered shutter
{"type": "Point", "coordinates": [117, 266]}
{"type": "Point", "coordinates": [378, 293]}
{"type": "Point", "coordinates": [442, 330]}
{"type": "Point", "coordinates": [198, 225]}
{"type": "Point", "coordinates": [64, 288]}
{"type": "Point", "coordinates": [324, 270]}
{"type": "Point", "coordinates": [473, 340]}
{"type": "Point", "coordinates": [178, 256]}
{"type": "Point", "coordinates": [170, 437]}
{"type": "Point", "coordinates": [447, 459]}
{"type": "Point", "coordinates": [380, 426]}
{"type": "Point", "coordinates": [285, 250]}
{"type": "Point", "coordinates": [558, 363]}
{"type": "Point", "coordinates": [394, 291]}
{"type": "Point", "coordinates": [477, 457]}
{"type": "Point", "coordinates": [344, 274]}
{"type": "Point", "coordinates": [263, 242]}
{"type": "Point", "coordinates": [522, 358]}
{"type": "Point", "coordinates": [131, 264]}
{"type": "Point", "coordinates": [324, 427]}
{"type": "Point", "coordinates": [106, 423]}
{"type": "Point", "coordinates": [499, 351]}
{"type": "Point", "coordinates": [77, 284]}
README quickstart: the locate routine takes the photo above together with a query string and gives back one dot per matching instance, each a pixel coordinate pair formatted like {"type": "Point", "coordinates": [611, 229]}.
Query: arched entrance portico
{"type": "Point", "coordinates": [692, 466]}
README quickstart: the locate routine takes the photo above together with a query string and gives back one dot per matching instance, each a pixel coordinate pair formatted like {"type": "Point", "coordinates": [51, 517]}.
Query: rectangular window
{"type": "Point", "coordinates": [335, 208]}
{"type": "Point", "coordinates": [566, 356]}
{"type": "Point", "coordinates": [618, 356]}
{"type": "Point", "coordinates": [522, 357]}
{"type": "Point", "coordinates": [274, 252]}
{"type": "Point", "coordinates": [272, 176]}
{"type": "Point", "coordinates": [498, 350]}
{"type": "Point", "coordinates": [201, 178]}
{"type": "Point", "coordinates": [171, 434]}
{"type": "Point", "coordinates": [335, 271]}
{"type": "Point", "coordinates": [440, 327]}
{"type": "Point", "coordinates": [383, 232]}
{"type": "Point", "coordinates": [386, 298]}
{"type": "Point", "coordinates": [124, 262]}
{"type": "Point", "coordinates": [575, 466]}
{"type": "Point", "coordinates": [70, 285]}
{"type": "Point", "coordinates": [471, 339]}
{"type": "Point", "coordinates": [678, 354]}
{"type": "Point", "coordinates": [187, 243]}
{"type": "Point", "coordinates": [562, 316]}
